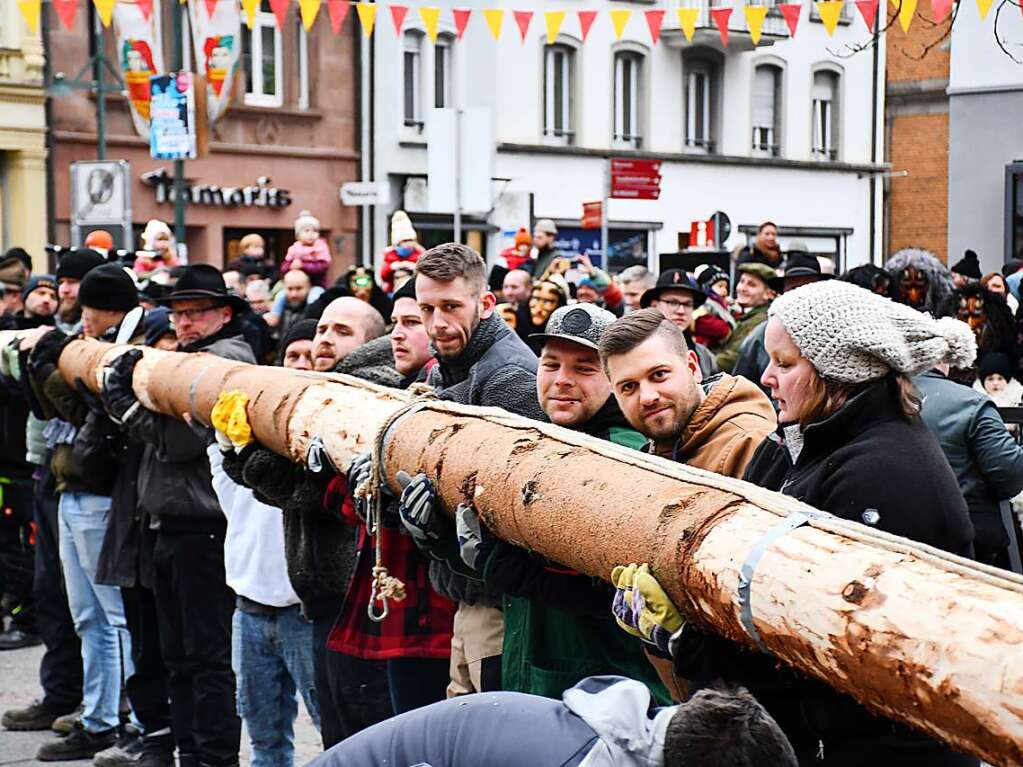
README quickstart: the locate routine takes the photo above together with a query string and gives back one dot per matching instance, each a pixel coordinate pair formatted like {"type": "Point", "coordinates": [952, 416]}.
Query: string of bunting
{"type": "Point", "coordinates": [830, 11]}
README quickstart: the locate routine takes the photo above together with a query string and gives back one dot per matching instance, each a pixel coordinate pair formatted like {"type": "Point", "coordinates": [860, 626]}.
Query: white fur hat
{"type": "Point", "coordinates": [305, 218]}
{"type": "Point", "coordinates": [154, 227]}
{"type": "Point", "coordinates": [852, 335]}
{"type": "Point", "coordinates": [401, 228]}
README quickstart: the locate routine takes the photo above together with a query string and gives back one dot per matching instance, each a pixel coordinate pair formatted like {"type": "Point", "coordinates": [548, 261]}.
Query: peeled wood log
{"type": "Point", "coordinates": [916, 634]}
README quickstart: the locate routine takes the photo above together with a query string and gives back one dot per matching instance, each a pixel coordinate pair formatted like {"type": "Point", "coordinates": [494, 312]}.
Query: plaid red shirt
{"type": "Point", "coordinates": [419, 626]}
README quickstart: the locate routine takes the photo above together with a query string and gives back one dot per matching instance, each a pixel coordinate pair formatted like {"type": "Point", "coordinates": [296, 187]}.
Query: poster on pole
{"type": "Point", "coordinates": [139, 55]}
{"type": "Point", "coordinates": [216, 37]}
{"type": "Point", "coordinates": [173, 128]}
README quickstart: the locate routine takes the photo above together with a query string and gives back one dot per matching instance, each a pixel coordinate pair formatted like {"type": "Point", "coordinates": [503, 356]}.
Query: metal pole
{"type": "Point", "coordinates": [97, 84]}
{"type": "Point", "coordinates": [605, 246]}
{"type": "Point", "coordinates": [458, 174]}
{"type": "Point", "coordinates": [177, 62]}
{"type": "Point", "coordinates": [365, 160]}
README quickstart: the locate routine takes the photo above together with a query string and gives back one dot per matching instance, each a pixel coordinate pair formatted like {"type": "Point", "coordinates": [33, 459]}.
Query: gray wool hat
{"type": "Point", "coordinates": [852, 335]}
{"type": "Point", "coordinates": [583, 324]}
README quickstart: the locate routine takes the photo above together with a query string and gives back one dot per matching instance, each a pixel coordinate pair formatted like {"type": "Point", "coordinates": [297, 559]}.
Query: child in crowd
{"type": "Point", "coordinates": [994, 378]}
{"type": "Point", "coordinates": [309, 252]}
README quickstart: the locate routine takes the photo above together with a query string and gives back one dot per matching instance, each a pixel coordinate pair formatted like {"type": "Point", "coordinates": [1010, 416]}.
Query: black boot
{"type": "Point", "coordinates": [78, 744]}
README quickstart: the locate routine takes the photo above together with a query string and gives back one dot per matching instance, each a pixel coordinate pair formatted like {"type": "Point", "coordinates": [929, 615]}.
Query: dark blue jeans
{"type": "Point", "coordinates": [416, 682]}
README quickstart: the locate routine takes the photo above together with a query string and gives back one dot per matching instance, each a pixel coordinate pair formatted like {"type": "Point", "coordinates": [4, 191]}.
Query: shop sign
{"type": "Point", "coordinates": [259, 195]}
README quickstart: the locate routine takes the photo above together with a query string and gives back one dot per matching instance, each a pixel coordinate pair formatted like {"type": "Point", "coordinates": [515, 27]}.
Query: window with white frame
{"type": "Point", "coordinates": [261, 59]}
{"type": "Point", "coordinates": [700, 99]}
{"type": "Point", "coordinates": [302, 65]}
{"type": "Point", "coordinates": [559, 63]}
{"type": "Point", "coordinates": [825, 115]}
{"type": "Point", "coordinates": [443, 74]}
{"type": "Point", "coordinates": [767, 110]}
{"type": "Point", "coordinates": [627, 99]}
{"type": "Point", "coordinates": [412, 79]}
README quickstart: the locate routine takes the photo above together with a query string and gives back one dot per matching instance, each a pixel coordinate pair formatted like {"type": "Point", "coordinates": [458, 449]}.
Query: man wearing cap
{"type": "Point", "coordinates": [193, 602]}
{"type": "Point", "coordinates": [677, 296]}
{"type": "Point", "coordinates": [557, 629]}
{"type": "Point", "coordinates": [38, 305]}
{"type": "Point", "coordinates": [544, 252]}
{"type": "Point", "coordinates": [71, 269]}
{"type": "Point", "coordinates": [753, 294]}
{"type": "Point", "coordinates": [13, 277]}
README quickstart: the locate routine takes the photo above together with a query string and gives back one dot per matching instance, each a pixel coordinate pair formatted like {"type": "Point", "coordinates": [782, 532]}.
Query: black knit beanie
{"type": "Point", "coordinates": [76, 264]}
{"type": "Point", "coordinates": [994, 362]}
{"type": "Point", "coordinates": [303, 330]}
{"type": "Point", "coordinates": [968, 265]}
{"type": "Point", "coordinates": [108, 287]}
{"type": "Point", "coordinates": [407, 290]}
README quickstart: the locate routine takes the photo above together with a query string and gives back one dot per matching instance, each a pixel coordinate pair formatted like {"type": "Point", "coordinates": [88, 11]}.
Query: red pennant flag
{"type": "Point", "coordinates": [522, 18]}
{"type": "Point", "coordinates": [868, 10]}
{"type": "Point", "coordinates": [66, 10]}
{"type": "Point", "coordinates": [586, 19]}
{"type": "Point", "coordinates": [280, 9]}
{"type": "Point", "coordinates": [791, 13]}
{"type": "Point", "coordinates": [398, 16]}
{"type": "Point", "coordinates": [461, 20]}
{"type": "Point", "coordinates": [721, 16]}
{"type": "Point", "coordinates": [941, 9]}
{"type": "Point", "coordinates": [338, 10]}
{"type": "Point", "coordinates": [146, 6]}
{"type": "Point", "coordinates": [654, 20]}
{"type": "Point", "coordinates": [211, 7]}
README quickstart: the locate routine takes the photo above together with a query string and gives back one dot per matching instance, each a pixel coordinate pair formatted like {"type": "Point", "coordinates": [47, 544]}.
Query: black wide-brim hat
{"type": "Point", "coordinates": [674, 279]}
{"type": "Point", "coordinates": [798, 265]}
{"type": "Point", "coordinates": [204, 281]}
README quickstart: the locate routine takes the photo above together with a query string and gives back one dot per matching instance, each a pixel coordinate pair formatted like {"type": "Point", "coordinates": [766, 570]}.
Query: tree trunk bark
{"type": "Point", "coordinates": [913, 633]}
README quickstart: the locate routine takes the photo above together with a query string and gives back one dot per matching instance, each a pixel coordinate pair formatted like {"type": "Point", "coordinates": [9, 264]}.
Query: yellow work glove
{"type": "Point", "coordinates": [621, 606]}
{"type": "Point", "coordinates": [642, 608]}
{"type": "Point", "coordinates": [231, 420]}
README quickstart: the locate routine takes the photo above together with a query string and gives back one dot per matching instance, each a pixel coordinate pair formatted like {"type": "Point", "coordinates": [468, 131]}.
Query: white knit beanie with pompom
{"type": "Point", "coordinates": [851, 335]}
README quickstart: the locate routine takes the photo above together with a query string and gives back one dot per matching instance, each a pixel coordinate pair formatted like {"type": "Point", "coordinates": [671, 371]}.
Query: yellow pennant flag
{"type": "Point", "coordinates": [249, 8]}
{"type": "Point", "coordinates": [367, 16]}
{"type": "Point", "coordinates": [906, 13]}
{"type": "Point", "coordinates": [755, 20]}
{"type": "Point", "coordinates": [983, 6]}
{"type": "Point", "coordinates": [830, 11]}
{"type": "Point", "coordinates": [494, 17]}
{"type": "Point", "coordinates": [30, 10]}
{"type": "Point", "coordinates": [105, 8]}
{"type": "Point", "coordinates": [687, 20]}
{"type": "Point", "coordinates": [431, 16]}
{"type": "Point", "coordinates": [553, 19]}
{"type": "Point", "coordinates": [309, 9]}
{"type": "Point", "coordinates": [619, 18]}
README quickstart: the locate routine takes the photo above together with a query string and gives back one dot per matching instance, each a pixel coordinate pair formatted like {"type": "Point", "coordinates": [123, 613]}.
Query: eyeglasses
{"type": "Point", "coordinates": [190, 314]}
{"type": "Point", "coordinates": [674, 304]}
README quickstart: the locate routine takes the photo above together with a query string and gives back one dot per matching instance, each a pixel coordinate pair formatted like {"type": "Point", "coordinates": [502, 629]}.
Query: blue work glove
{"type": "Point", "coordinates": [118, 397]}
{"type": "Point", "coordinates": [358, 473]}
{"type": "Point", "coordinates": [476, 544]}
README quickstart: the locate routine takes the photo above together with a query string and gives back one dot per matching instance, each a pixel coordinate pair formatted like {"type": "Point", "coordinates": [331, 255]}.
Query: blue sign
{"type": "Point", "coordinates": [628, 247]}
{"type": "Point", "coordinates": [172, 117]}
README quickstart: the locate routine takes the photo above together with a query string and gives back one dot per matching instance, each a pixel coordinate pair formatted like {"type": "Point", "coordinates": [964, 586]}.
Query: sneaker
{"type": "Point", "coordinates": [32, 717]}
{"type": "Point", "coordinates": [63, 725]}
{"type": "Point", "coordinates": [127, 751]}
{"type": "Point", "coordinates": [78, 744]}
{"type": "Point", "coordinates": [15, 639]}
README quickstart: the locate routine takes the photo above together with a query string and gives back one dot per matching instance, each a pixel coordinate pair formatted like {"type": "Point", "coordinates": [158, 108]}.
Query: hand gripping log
{"type": "Point", "coordinates": [916, 634]}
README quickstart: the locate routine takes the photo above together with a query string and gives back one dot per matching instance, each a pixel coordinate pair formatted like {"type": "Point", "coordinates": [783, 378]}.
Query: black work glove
{"type": "Point", "coordinates": [118, 397]}
{"type": "Point", "coordinates": [94, 403]}
{"type": "Point", "coordinates": [42, 360]}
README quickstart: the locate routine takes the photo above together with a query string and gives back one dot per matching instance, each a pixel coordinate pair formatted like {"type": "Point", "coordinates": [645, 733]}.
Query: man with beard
{"type": "Point", "coordinates": [70, 271]}
{"type": "Point", "coordinates": [290, 306]}
{"type": "Point", "coordinates": [480, 361]}
{"type": "Point", "coordinates": [345, 325]}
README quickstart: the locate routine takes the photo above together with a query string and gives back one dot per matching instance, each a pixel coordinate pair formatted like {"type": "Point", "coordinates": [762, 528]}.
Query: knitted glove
{"type": "Point", "coordinates": [271, 477]}
{"type": "Point", "coordinates": [476, 544]}
{"type": "Point", "coordinates": [118, 397]}
{"type": "Point", "coordinates": [641, 607]}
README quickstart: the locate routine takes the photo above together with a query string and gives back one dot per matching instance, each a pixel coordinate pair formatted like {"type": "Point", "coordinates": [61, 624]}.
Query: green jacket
{"type": "Point", "coordinates": [728, 353]}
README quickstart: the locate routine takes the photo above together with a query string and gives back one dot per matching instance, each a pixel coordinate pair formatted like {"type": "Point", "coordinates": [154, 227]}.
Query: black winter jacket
{"type": "Point", "coordinates": [866, 456]}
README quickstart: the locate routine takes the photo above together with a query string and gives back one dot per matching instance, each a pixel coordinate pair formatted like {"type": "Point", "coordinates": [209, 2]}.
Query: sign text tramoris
{"type": "Point", "coordinates": [261, 195]}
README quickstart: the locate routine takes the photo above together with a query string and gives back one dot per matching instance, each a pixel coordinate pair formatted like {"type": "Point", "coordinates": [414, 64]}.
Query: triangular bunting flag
{"type": "Point", "coordinates": [619, 18]}
{"type": "Point", "coordinates": [338, 11]}
{"type": "Point", "coordinates": [249, 8]}
{"type": "Point", "coordinates": [830, 11]}
{"type": "Point", "coordinates": [398, 17]}
{"type": "Point", "coordinates": [868, 10]}
{"type": "Point", "coordinates": [146, 6]}
{"type": "Point", "coordinates": [280, 9]}
{"type": "Point", "coordinates": [461, 20]}
{"type": "Point", "coordinates": [940, 9]}
{"type": "Point", "coordinates": [586, 19]}
{"type": "Point", "coordinates": [105, 9]}
{"type": "Point", "coordinates": [906, 13]}
{"type": "Point", "coordinates": [654, 19]}
{"type": "Point", "coordinates": [983, 6]}
{"type": "Point", "coordinates": [308, 10]}
{"type": "Point", "coordinates": [30, 10]}
{"type": "Point", "coordinates": [494, 17]}
{"type": "Point", "coordinates": [553, 20]}
{"type": "Point", "coordinates": [721, 16]}
{"type": "Point", "coordinates": [687, 20]}
{"type": "Point", "coordinates": [755, 21]}
{"type": "Point", "coordinates": [522, 18]}
{"type": "Point", "coordinates": [367, 16]}
{"type": "Point", "coordinates": [791, 13]}
{"type": "Point", "coordinates": [66, 10]}
{"type": "Point", "coordinates": [431, 17]}
{"type": "Point", "coordinates": [211, 8]}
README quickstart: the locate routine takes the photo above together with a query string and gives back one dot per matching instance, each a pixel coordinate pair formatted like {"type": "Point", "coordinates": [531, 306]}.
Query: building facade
{"type": "Point", "coordinates": [22, 137]}
{"type": "Point", "coordinates": [784, 131]}
{"type": "Point", "coordinates": [289, 135]}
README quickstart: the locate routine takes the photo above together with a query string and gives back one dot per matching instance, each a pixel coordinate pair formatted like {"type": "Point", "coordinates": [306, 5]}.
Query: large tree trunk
{"type": "Point", "coordinates": [921, 636]}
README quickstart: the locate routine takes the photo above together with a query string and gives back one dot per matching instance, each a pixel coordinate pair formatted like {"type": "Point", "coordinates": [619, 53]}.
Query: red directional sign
{"type": "Point", "coordinates": [646, 193]}
{"type": "Point", "coordinates": [592, 214]}
{"type": "Point", "coordinates": [635, 179]}
{"type": "Point", "coordinates": [645, 167]}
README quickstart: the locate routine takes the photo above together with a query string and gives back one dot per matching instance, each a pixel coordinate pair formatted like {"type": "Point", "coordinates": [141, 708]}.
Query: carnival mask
{"type": "Point", "coordinates": [507, 313]}
{"type": "Point", "coordinates": [972, 312]}
{"type": "Point", "coordinates": [913, 286]}
{"type": "Point", "coordinates": [361, 284]}
{"type": "Point", "coordinates": [545, 299]}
